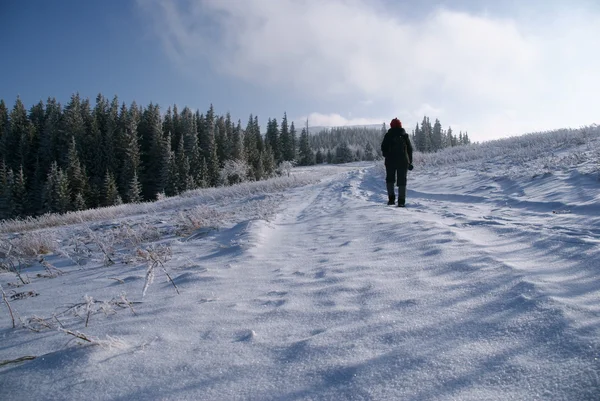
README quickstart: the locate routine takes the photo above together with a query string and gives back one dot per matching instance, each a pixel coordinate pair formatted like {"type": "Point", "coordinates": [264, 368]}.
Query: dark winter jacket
{"type": "Point", "coordinates": [396, 147]}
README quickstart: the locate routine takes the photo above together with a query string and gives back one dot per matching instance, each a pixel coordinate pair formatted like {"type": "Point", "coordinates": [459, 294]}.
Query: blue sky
{"type": "Point", "coordinates": [492, 68]}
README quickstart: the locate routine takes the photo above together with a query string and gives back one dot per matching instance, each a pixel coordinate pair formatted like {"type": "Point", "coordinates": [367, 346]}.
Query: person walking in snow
{"type": "Point", "coordinates": [397, 150]}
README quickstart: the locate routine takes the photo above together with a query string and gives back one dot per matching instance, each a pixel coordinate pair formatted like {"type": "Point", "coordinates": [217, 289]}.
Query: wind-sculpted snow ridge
{"type": "Point", "coordinates": [484, 288]}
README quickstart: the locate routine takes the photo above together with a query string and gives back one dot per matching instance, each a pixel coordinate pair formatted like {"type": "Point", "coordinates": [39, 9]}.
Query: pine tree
{"type": "Point", "coordinates": [466, 140]}
{"type": "Point", "coordinates": [176, 129]}
{"type": "Point", "coordinates": [49, 195]}
{"type": "Point", "coordinates": [436, 136]}
{"type": "Point", "coordinates": [287, 146]}
{"type": "Point", "coordinates": [134, 193]}
{"type": "Point", "coordinates": [227, 140]}
{"type": "Point", "coordinates": [77, 181]}
{"type": "Point", "coordinates": [292, 150]}
{"type": "Point", "coordinates": [213, 162]}
{"type": "Point", "coordinates": [203, 176]}
{"type": "Point", "coordinates": [222, 139]}
{"type": "Point", "coordinates": [110, 191]}
{"type": "Point", "coordinates": [63, 194]}
{"type": "Point", "coordinates": [369, 152]}
{"type": "Point", "coordinates": [19, 194]}
{"type": "Point", "coordinates": [206, 132]}
{"type": "Point", "coordinates": [190, 146]}
{"type": "Point", "coordinates": [165, 172]}
{"type": "Point", "coordinates": [110, 138]}
{"type": "Point", "coordinates": [155, 153]}
{"type": "Point", "coordinates": [36, 188]}
{"type": "Point", "coordinates": [169, 124]}
{"type": "Point", "coordinates": [9, 194]}
{"type": "Point", "coordinates": [450, 140]}
{"type": "Point", "coordinates": [3, 126]}
{"type": "Point", "coordinates": [79, 202]}
{"type": "Point", "coordinates": [182, 169]}
{"type": "Point", "coordinates": [92, 159]}
{"type": "Point", "coordinates": [37, 120]}
{"type": "Point", "coordinates": [251, 150]}
{"type": "Point", "coordinates": [72, 126]}
{"type": "Point", "coordinates": [330, 156]}
{"type": "Point", "coordinates": [57, 197]}
{"type": "Point", "coordinates": [135, 113]}
{"type": "Point", "coordinates": [423, 136]}
{"type": "Point", "coordinates": [268, 159]}
{"type": "Point", "coordinates": [5, 191]}
{"type": "Point", "coordinates": [259, 171]}
{"type": "Point", "coordinates": [272, 138]}
{"type": "Point", "coordinates": [343, 154]}
{"type": "Point", "coordinates": [306, 156]}
{"type": "Point", "coordinates": [237, 143]}
{"type": "Point", "coordinates": [260, 143]}
{"type": "Point", "coordinates": [172, 186]}
{"type": "Point", "coordinates": [129, 153]}
{"type": "Point", "coordinates": [319, 157]}
{"type": "Point", "coordinates": [201, 133]}
{"type": "Point", "coordinates": [15, 141]}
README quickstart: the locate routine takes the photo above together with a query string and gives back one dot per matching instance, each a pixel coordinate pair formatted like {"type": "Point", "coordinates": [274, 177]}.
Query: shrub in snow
{"type": "Point", "coordinates": [201, 216]}
{"type": "Point", "coordinates": [285, 168]}
{"type": "Point", "coordinates": [33, 244]}
{"type": "Point", "coordinates": [234, 172]}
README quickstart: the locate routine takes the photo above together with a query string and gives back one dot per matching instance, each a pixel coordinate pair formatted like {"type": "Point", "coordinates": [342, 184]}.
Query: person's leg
{"type": "Point", "coordinates": [391, 194]}
{"type": "Point", "coordinates": [390, 178]}
{"type": "Point", "coordinates": [402, 173]}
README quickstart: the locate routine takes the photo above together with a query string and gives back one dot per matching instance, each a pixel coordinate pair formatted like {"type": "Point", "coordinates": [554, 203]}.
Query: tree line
{"type": "Point", "coordinates": [431, 138]}
{"type": "Point", "coordinates": [56, 159]}
{"type": "Point", "coordinates": [360, 143]}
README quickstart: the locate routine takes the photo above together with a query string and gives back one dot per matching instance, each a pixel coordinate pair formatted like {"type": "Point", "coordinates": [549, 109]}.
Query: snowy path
{"type": "Point", "coordinates": [340, 297]}
{"type": "Point", "coordinates": [349, 299]}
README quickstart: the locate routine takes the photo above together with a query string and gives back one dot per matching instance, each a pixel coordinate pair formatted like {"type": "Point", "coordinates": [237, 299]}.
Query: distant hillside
{"type": "Point", "coordinates": [320, 128]}
{"type": "Point", "coordinates": [543, 150]}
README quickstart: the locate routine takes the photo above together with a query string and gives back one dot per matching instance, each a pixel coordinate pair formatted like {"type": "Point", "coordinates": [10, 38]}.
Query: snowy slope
{"type": "Point", "coordinates": [484, 288]}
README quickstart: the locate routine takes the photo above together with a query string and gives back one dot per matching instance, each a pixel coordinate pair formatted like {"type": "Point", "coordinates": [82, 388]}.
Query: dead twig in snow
{"type": "Point", "coordinates": [5, 298]}
{"type": "Point", "coordinates": [164, 269]}
{"type": "Point", "coordinates": [52, 270]}
{"type": "Point", "coordinates": [21, 359]}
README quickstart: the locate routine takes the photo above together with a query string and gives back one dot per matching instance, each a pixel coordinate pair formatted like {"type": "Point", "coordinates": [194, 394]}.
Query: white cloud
{"type": "Point", "coordinates": [336, 120]}
{"type": "Point", "coordinates": [491, 76]}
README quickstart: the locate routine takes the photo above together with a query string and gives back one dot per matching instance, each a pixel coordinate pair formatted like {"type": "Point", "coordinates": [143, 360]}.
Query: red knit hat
{"type": "Point", "coordinates": [396, 123]}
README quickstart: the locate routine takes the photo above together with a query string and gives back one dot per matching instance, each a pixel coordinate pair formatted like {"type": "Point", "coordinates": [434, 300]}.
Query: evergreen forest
{"type": "Point", "coordinates": [57, 159]}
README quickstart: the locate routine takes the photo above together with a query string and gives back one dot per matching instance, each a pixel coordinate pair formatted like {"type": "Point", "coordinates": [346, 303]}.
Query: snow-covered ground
{"type": "Point", "coordinates": [486, 287]}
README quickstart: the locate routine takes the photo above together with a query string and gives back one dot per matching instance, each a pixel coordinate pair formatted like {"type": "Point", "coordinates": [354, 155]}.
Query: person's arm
{"type": "Point", "coordinates": [384, 145]}
{"type": "Point", "coordinates": [409, 150]}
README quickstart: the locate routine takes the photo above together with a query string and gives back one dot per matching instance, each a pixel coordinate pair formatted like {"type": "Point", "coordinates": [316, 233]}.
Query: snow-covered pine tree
{"type": "Point", "coordinates": [111, 194]}
{"type": "Point", "coordinates": [306, 155]}
{"type": "Point", "coordinates": [182, 169]}
{"type": "Point", "coordinates": [287, 147]}
{"type": "Point", "coordinates": [191, 148]}
{"type": "Point", "coordinates": [237, 143]}
{"type": "Point", "coordinates": [293, 150]}
{"type": "Point", "coordinates": [77, 180]}
{"type": "Point", "coordinates": [19, 194]}
{"type": "Point", "coordinates": [272, 138]}
{"type": "Point", "coordinates": [134, 192]}
{"type": "Point", "coordinates": [268, 159]}
{"type": "Point", "coordinates": [436, 136]}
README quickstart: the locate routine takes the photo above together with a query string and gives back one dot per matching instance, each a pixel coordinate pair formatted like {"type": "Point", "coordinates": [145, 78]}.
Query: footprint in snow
{"type": "Point", "coordinates": [246, 335]}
